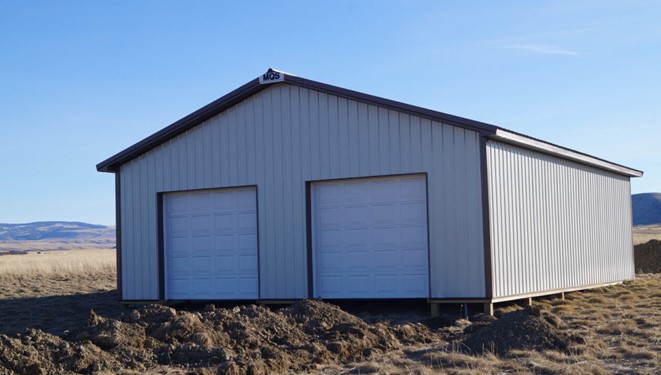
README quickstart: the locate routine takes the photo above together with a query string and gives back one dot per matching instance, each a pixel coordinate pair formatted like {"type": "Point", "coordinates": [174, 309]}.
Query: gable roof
{"type": "Point", "coordinates": [256, 85]}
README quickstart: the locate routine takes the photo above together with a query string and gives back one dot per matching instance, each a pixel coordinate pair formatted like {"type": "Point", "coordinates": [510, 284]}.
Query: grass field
{"type": "Point", "coordinates": [619, 326]}
{"type": "Point", "coordinates": [70, 262]}
{"type": "Point", "coordinates": [644, 233]}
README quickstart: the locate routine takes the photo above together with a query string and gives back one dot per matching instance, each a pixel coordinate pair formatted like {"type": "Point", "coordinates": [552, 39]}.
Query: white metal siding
{"type": "Point", "coordinates": [555, 223]}
{"type": "Point", "coordinates": [284, 136]}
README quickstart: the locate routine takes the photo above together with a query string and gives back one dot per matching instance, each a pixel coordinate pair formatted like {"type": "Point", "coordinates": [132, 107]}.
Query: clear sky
{"type": "Point", "coordinates": [82, 80]}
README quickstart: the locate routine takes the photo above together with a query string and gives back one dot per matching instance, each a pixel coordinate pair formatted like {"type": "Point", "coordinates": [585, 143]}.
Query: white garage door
{"type": "Point", "coordinates": [210, 244]}
{"type": "Point", "coordinates": [370, 238]}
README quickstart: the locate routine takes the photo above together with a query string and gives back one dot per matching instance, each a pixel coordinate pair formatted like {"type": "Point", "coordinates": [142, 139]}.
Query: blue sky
{"type": "Point", "coordinates": [82, 80]}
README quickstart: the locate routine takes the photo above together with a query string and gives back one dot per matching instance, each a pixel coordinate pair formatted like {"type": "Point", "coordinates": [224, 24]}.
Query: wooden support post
{"type": "Point", "coordinates": [435, 309]}
{"type": "Point", "coordinates": [562, 296]}
{"type": "Point", "coordinates": [488, 308]}
{"type": "Point", "coordinates": [529, 301]}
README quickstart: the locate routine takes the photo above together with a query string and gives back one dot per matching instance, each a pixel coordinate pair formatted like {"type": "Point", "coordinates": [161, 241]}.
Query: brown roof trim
{"type": "Point", "coordinates": [394, 105]}
{"type": "Point", "coordinates": [535, 144]}
{"type": "Point", "coordinates": [113, 163]}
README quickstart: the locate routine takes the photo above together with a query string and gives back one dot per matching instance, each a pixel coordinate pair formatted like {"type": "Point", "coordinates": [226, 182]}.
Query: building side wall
{"type": "Point", "coordinates": [283, 137]}
{"type": "Point", "coordinates": [555, 224]}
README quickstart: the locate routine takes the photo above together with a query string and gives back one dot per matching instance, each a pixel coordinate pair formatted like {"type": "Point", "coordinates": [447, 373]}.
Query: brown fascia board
{"type": "Point", "coordinates": [535, 144]}
{"type": "Point", "coordinates": [445, 118]}
{"type": "Point", "coordinates": [113, 163]}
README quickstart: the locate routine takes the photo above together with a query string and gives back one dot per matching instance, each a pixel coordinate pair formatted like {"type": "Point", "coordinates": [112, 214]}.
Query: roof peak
{"type": "Point", "coordinates": [273, 76]}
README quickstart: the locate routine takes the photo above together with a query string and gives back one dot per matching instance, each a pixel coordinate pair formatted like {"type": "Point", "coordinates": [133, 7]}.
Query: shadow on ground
{"type": "Point", "coordinates": [56, 314]}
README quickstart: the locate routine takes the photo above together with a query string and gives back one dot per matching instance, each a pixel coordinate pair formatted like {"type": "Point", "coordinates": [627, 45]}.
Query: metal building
{"type": "Point", "coordinates": [287, 188]}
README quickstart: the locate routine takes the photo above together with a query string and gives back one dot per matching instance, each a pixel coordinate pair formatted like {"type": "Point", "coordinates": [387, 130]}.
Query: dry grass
{"type": "Point", "coordinates": [620, 324]}
{"type": "Point", "coordinates": [71, 262]}
{"type": "Point", "coordinates": [623, 329]}
{"type": "Point", "coordinates": [644, 233]}
{"type": "Point", "coordinates": [55, 291]}
{"type": "Point", "coordinates": [57, 273]}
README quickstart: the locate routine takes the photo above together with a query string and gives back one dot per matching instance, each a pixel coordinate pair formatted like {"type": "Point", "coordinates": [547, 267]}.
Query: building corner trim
{"type": "Point", "coordinates": [118, 233]}
{"type": "Point", "coordinates": [486, 219]}
{"type": "Point", "coordinates": [308, 240]}
{"type": "Point", "coordinates": [161, 246]}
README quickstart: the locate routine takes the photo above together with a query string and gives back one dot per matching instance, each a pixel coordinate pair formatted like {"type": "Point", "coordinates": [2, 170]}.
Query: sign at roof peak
{"type": "Point", "coordinates": [271, 76]}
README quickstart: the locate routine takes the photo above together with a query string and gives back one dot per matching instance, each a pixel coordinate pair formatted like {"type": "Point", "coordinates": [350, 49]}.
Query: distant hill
{"type": "Point", "coordinates": [55, 235]}
{"type": "Point", "coordinates": [646, 208]}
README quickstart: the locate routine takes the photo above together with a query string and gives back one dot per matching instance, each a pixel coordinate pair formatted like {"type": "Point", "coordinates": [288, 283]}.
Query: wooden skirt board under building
{"type": "Point", "coordinates": [210, 244]}
{"type": "Point", "coordinates": [370, 238]}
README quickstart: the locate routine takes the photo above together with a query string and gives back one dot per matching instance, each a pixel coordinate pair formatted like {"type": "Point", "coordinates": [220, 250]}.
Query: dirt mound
{"type": "Point", "coordinates": [241, 340]}
{"type": "Point", "coordinates": [36, 352]}
{"type": "Point", "coordinates": [647, 257]}
{"type": "Point", "coordinates": [528, 329]}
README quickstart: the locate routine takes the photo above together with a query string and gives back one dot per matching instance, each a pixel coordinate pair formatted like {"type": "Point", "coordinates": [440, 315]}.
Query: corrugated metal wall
{"type": "Point", "coordinates": [284, 136]}
{"type": "Point", "coordinates": [555, 223]}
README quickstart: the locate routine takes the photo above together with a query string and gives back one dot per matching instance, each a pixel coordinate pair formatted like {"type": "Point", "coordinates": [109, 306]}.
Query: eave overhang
{"type": "Point", "coordinates": [113, 163]}
{"type": "Point", "coordinates": [524, 141]}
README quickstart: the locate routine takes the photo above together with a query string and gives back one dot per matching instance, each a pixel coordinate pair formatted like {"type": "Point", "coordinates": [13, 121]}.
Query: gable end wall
{"type": "Point", "coordinates": [279, 139]}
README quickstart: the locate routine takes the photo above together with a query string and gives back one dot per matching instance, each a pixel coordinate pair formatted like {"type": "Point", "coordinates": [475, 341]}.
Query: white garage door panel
{"type": "Point", "coordinates": [370, 238]}
{"type": "Point", "coordinates": [211, 244]}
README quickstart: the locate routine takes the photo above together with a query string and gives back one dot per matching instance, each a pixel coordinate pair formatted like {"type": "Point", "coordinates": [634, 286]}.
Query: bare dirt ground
{"type": "Point", "coordinates": [47, 328]}
{"type": "Point", "coordinates": [647, 257]}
